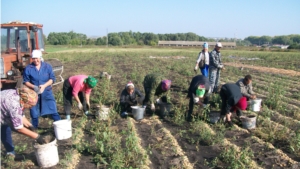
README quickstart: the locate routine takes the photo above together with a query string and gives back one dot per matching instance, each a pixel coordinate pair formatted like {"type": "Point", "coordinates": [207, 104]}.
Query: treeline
{"type": "Point", "coordinates": [137, 38]}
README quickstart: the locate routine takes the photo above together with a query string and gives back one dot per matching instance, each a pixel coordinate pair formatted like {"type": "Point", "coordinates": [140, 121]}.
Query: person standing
{"type": "Point", "coordinates": [75, 86]}
{"type": "Point", "coordinates": [232, 101]}
{"type": "Point", "coordinates": [198, 93]}
{"type": "Point", "coordinates": [215, 66]}
{"type": "Point", "coordinates": [39, 76]}
{"type": "Point", "coordinates": [129, 98]}
{"type": "Point", "coordinates": [245, 85]}
{"type": "Point", "coordinates": [12, 104]}
{"type": "Point", "coordinates": [156, 85]}
{"type": "Point", "coordinates": [203, 59]}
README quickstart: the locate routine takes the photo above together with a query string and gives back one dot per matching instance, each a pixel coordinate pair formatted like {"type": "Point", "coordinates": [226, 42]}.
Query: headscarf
{"type": "Point", "coordinates": [28, 97]}
{"type": "Point", "coordinates": [166, 85]}
{"type": "Point", "coordinates": [205, 45]}
{"type": "Point", "coordinates": [91, 81]}
{"type": "Point", "coordinates": [200, 91]}
{"type": "Point", "coordinates": [129, 84]}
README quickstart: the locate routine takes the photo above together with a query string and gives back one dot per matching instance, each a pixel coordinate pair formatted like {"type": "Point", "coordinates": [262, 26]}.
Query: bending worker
{"type": "Point", "coordinates": [39, 76]}
{"type": "Point", "coordinates": [75, 86]}
{"type": "Point", "coordinates": [198, 93]}
{"type": "Point", "coordinates": [245, 85]}
{"type": "Point", "coordinates": [232, 101]}
{"type": "Point", "coordinates": [13, 102]}
{"type": "Point", "coordinates": [129, 98]}
{"type": "Point", "coordinates": [156, 85]}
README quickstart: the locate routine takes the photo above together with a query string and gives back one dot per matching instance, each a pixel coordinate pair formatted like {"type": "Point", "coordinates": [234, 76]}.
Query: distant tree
{"type": "Point", "coordinates": [191, 37]}
{"type": "Point", "coordinates": [114, 39]}
{"type": "Point", "coordinates": [265, 39]}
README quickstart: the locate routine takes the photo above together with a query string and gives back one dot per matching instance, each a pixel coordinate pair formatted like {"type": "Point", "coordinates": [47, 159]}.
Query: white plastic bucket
{"type": "Point", "coordinates": [46, 154]}
{"type": "Point", "coordinates": [102, 112]}
{"type": "Point", "coordinates": [248, 122]}
{"type": "Point", "coordinates": [138, 112]}
{"type": "Point", "coordinates": [255, 105]}
{"type": "Point", "coordinates": [63, 129]}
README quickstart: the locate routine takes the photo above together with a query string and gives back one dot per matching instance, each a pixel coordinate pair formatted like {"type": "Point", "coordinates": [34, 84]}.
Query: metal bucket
{"type": "Point", "coordinates": [138, 112]}
{"type": "Point", "coordinates": [214, 116]}
{"type": "Point", "coordinates": [164, 109]}
{"type": "Point", "coordinates": [248, 122]}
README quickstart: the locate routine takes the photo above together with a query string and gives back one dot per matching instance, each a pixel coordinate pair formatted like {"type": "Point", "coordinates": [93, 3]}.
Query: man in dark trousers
{"type": "Point", "coordinates": [232, 100]}
{"type": "Point", "coordinates": [198, 93]}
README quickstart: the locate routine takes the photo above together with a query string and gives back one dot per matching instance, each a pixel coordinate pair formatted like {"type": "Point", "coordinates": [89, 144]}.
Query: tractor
{"type": "Point", "coordinates": [18, 39]}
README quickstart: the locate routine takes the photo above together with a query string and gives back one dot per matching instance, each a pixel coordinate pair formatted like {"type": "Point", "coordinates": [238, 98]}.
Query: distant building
{"type": "Point", "coordinates": [195, 43]}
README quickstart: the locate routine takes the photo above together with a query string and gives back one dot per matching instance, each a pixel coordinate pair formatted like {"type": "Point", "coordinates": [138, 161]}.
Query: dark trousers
{"type": "Point", "coordinates": [191, 105]}
{"type": "Point", "coordinates": [147, 95]}
{"type": "Point", "coordinates": [67, 95]}
{"type": "Point", "coordinates": [6, 138]}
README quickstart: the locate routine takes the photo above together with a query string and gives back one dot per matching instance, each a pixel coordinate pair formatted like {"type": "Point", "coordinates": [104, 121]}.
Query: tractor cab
{"type": "Point", "coordinates": [18, 39]}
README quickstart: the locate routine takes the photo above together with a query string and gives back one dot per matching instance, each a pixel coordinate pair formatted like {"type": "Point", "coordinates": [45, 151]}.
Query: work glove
{"type": "Point", "coordinates": [86, 113]}
{"type": "Point", "coordinates": [68, 117]}
{"type": "Point", "coordinates": [158, 101]}
{"type": "Point", "coordinates": [144, 106]}
{"type": "Point", "coordinates": [79, 106]}
{"type": "Point", "coordinates": [152, 107]}
{"type": "Point", "coordinates": [36, 89]}
{"type": "Point", "coordinates": [221, 66]}
{"type": "Point", "coordinates": [41, 139]}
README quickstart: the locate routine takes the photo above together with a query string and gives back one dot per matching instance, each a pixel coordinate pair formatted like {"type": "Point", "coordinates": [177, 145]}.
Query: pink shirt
{"type": "Point", "coordinates": [77, 83]}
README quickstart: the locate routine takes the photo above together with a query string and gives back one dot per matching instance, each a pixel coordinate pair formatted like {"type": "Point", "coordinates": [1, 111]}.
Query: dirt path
{"type": "Point", "coordinates": [265, 69]}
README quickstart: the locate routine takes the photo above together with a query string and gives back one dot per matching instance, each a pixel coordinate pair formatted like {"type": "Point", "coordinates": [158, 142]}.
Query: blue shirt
{"type": "Point", "coordinates": [39, 77]}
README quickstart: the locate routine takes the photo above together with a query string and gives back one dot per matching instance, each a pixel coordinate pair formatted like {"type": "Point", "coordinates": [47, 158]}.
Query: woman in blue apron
{"type": "Point", "coordinates": [39, 76]}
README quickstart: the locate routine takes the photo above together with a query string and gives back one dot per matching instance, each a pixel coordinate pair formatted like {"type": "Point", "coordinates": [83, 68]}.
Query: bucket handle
{"type": "Point", "coordinates": [64, 129]}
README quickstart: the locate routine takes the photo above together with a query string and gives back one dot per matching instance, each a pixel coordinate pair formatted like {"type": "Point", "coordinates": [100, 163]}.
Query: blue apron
{"type": "Point", "coordinates": [46, 102]}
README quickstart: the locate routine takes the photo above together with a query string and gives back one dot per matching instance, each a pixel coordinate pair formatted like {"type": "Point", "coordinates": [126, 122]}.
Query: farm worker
{"type": "Point", "coordinates": [13, 102]}
{"type": "Point", "coordinates": [203, 57]}
{"type": "Point", "coordinates": [245, 85]}
{"type": "Point", "coordinates": [129, 98]}
{"type": "Point", "coordinates": [198, 93]}
{"type": "Point", "coordinates": [215, 66]}
{"type": "Point", "coordinates": [39, 76]}
{"type": "Point", "coordinates": [156, 85]}
{"type": "Point", "coordinates": [75, 86]}
{"type": "Point", "coordinates": [232, 100]}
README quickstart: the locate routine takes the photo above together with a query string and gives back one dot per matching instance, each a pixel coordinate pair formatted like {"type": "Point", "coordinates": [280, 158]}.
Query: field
{"type": "Point", "coordinates": [173, 142]}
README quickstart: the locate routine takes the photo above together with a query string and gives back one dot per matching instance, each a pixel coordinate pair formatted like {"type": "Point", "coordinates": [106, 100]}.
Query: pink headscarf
{"type": "Point", "coordinates": [166, 85]}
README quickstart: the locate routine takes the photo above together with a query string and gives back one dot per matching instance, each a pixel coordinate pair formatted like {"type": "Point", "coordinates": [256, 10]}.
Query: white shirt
{"type": "Point", "coordinates": [200, 57]}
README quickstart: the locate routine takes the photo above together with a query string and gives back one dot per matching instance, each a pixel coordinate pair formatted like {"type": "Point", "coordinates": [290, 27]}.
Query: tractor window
{"type": "Point", "coordinates": [40, 39]}
{"type": "Point", "coordinates": [9, 37]}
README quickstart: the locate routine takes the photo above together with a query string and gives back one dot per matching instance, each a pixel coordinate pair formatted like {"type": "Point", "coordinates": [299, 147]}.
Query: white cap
{"type": "Point", "coordinates": [129, 84]}
{"type": "Point", "coordinates": [36, 54]}
{"type": "Point", "coordinates": [219, 44]}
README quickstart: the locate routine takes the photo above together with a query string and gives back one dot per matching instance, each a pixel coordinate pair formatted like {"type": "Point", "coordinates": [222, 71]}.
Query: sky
{"type": "Point", "coordinates": [210, 18]}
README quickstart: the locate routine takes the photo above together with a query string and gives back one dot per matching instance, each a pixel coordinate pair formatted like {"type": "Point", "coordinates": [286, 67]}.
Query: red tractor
{"type": "Point", "coordinates": [18, 39]}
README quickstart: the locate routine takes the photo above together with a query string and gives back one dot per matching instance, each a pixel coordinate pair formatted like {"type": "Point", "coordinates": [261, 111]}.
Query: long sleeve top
{"type": "Point", "coordinates": [77, 83]}
{"type": "Point", "coordinates": [39, 77]}
{"type": "Point", "coordinates": [11, 110]}
{"type": "Point", "coordinates": [203, 55]}
{"type": "Point", "coordinates": [246, 90]}
{"type": "Point", "coordinates": [196, 81]}
{"type": "Point", "coordinates": [215, 59]}
{"type": "Point", "coordinates": [152, 82]}
{"type": "Point", "coordinates": [232, 94]}
{"type": "Point", "coordinates": [126, 98]}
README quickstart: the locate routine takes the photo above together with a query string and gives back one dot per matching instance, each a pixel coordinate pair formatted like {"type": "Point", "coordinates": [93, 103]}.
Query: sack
{"type": "Point", "coordinates": [202, 61]}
